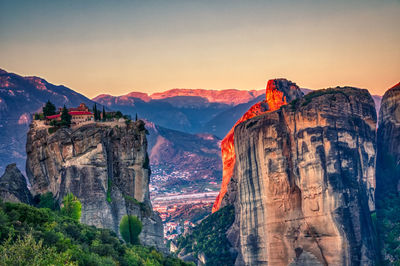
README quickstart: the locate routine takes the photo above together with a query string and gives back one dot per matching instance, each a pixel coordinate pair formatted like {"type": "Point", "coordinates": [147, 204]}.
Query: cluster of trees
{"type": "Point", "coordinates": [49, 109]}
{"type": "Point", "coordinates": [41, 236]}
{"type": "Point", "coordinates": [209, 237]}
{"type": "Point", "coordinates": [106, 116]}
{"type": "Point", "coordinates": [387, 221]}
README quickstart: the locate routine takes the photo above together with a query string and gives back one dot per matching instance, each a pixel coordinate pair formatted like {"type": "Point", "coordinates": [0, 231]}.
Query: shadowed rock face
{"type": "Point", "coordinates": [303, 183]}
{"type": "Point", "coordinates": [105, 165]}
{"type": "Point", "coordinates": [13, 187]}
{"type": "Point", "coordinates": [388, 174]}
{"type": "Point", "coordinates": [388, 140]}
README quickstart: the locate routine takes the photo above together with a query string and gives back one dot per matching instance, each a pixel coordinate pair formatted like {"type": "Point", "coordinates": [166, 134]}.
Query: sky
{"type": "Point", "coordinates": [117, 47]}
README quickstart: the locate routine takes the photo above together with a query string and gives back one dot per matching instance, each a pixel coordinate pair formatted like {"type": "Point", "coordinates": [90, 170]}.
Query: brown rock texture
{"type": "Point", "coordinates": [13, 187]}
{"type": "Point", "coordinates": [303, 184]}
{"type": "Point", "coordinates": [277, 93]}
{"type": "Point", "coordinates": [388, 141]}
{"type": "Point", "coordinates": [104, 164]}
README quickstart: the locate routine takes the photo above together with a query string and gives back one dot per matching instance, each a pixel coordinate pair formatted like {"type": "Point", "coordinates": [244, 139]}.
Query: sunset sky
{"type": "Point", "coordinates": [117, 47]}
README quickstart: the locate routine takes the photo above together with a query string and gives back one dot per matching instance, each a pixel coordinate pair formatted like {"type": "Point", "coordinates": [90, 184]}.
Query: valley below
{"type": "Point", "coordinates": [293, 177]}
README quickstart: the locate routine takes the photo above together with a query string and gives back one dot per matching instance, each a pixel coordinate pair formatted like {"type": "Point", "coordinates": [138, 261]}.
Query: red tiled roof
{"type": "Point", "coordinates": [80, 113]}
{"type": "Point", "coordinates": [71, 113]}
{"type": "Point", "coordinates": [53, 116]}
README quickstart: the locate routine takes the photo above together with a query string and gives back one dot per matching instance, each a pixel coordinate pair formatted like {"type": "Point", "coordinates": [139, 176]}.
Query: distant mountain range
{"type": "Point", "coordinates": [184, 109]}
{"type": "Point", "coordinates": [169, 148]}
{"type": "Point", "coordinates": [20, 98]}
{"type": "Point", "coordinates": [181, 120]}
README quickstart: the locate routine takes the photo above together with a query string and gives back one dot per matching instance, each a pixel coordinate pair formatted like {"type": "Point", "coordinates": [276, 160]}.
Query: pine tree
{"type": "Point", "coordinates": [49, 109]}
{"type": "Point", "coordinates": [118, 114]}
{"type": "Point", "coordinates": [104, 114]}
{"type": "Point", "coordinates": [65, 117]}
{"type": "Point", "coordinates": [136, 117]}
{"type": "Point", "coordinates": [95, 112]}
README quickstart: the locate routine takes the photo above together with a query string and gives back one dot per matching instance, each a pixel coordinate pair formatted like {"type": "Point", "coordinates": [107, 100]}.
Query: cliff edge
{"type": "Point", "coordinates": [303, 184]}
{"type": "Point", "coordinates": [104, 164]}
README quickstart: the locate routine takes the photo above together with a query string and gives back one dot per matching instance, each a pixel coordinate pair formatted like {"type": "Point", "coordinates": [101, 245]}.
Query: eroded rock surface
{"type": "Point", "coordinates": [388, 175]}
{"type": "Point", "coordinates": [105, 165]}
{"type": "Point", "coordinates": [13, 187]}
{"type": "Point", "coordinates": [303, 183]}
{"type": "Point", "coordinates": [388, 140]}
{"type": "Point", "coordinates": [277, 93]}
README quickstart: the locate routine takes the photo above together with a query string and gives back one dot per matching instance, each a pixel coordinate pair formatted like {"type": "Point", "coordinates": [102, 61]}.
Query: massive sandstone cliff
{"type": "Point", "coordinates": [277, 93]}
{"type": "Point", "coordinates": [303, 182]}
{"type": "Point", "coordinates": [388, 175]}
{"type": "Point", "coordinates": [104, 164]}
{"type": "Point", "coordinates": [388, 141]}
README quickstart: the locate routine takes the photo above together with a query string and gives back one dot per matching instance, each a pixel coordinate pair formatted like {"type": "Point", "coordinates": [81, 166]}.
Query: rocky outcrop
{"type": "Point", "coordinates": [20, 98]}
{"type": "Point", "coordinates": [388, 176]}
{"type": "Point", "coordinates": [104, 164]}
{"type": "Point", "coordinates": [277, 93]}
{"type": "Point", "coordinates": [303, 183]}
{"type": "Point", "coordinates": [388, 141]}
{"type": "Point", "coordinates": [13, 187]}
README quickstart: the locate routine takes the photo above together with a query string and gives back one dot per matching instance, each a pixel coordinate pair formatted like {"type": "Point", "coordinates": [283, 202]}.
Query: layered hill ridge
{"type": "Point", "coordinates": [186, 110]}
{"type": "Point", "coordinates": [278, 92]}
{"type": "Point", "coordinates": [105, 165]}
{"type": "Point", "coordinates": [227, 96]}
{"type": "Point", "coordinates": [181, 160]}
{"type": "Point", "coordinates": [303, 183]}
{"type": "Point", "coordinates": [20, 98]}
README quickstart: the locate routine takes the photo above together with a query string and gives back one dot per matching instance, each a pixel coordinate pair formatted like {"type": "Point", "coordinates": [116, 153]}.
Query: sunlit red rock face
{"type": "Point", "coordinates": [278, 93]}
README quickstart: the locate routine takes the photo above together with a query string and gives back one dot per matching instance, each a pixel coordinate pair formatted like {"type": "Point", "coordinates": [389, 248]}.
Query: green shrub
{"type": "Point", "coordinates": [26, 251]}
{"type": "Point", "coordinates": [60, 240]}
{"type": "Point", "coordinates": [46, 200]}
{"type": "Point", "coordinates": [72, 207]}
{"type": "Point", "coordinates": [130, 228]}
